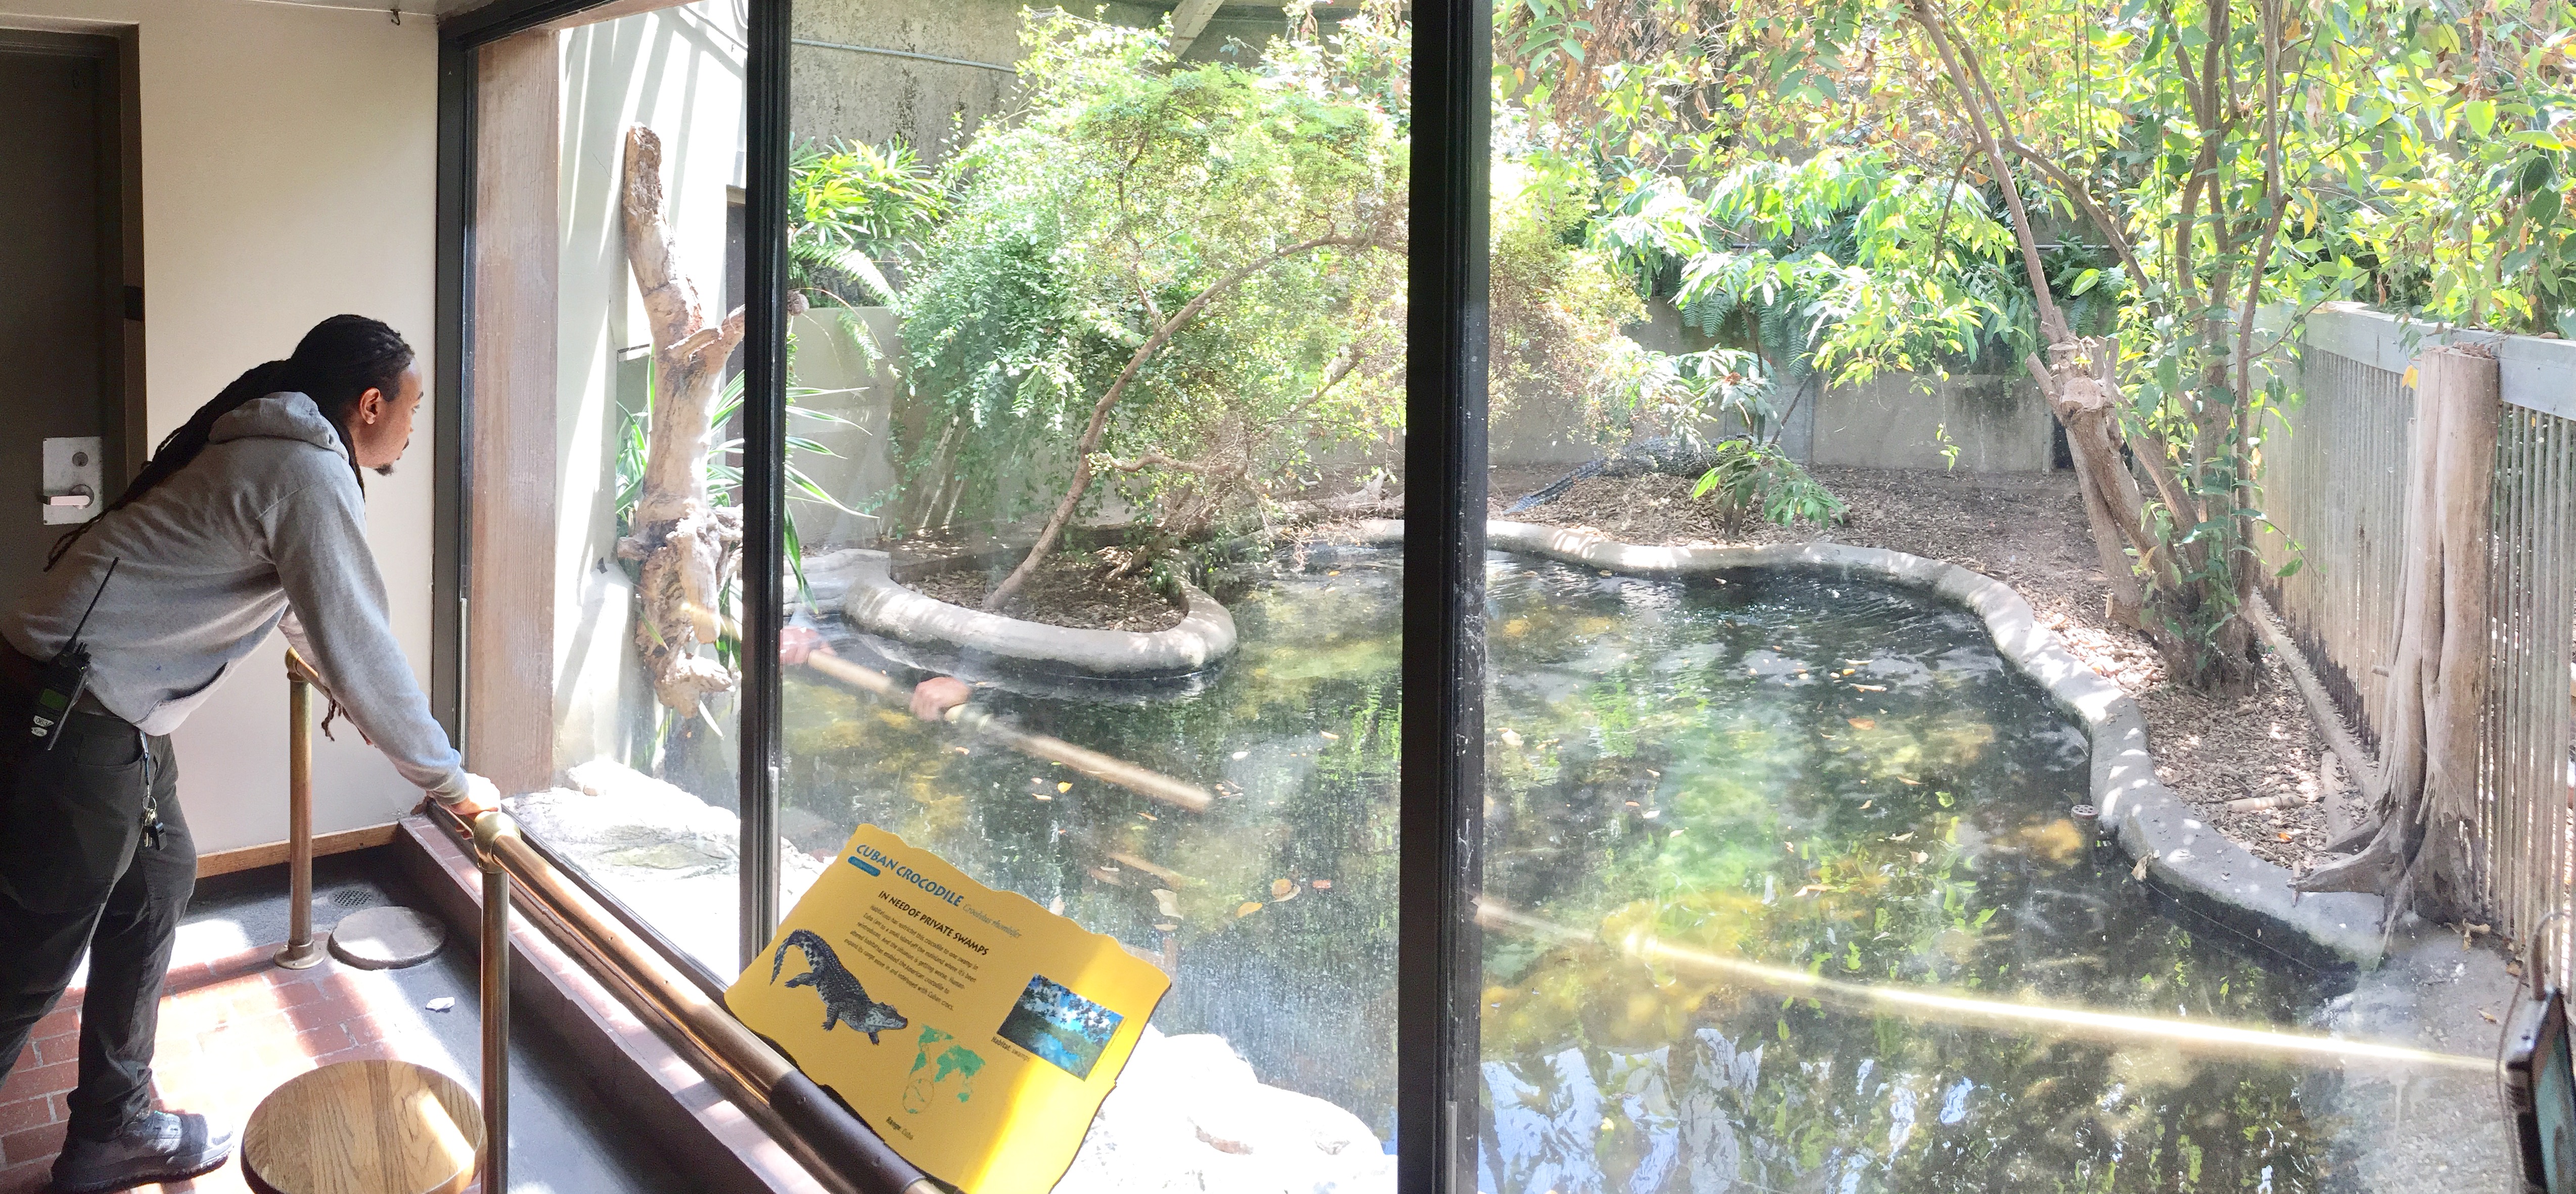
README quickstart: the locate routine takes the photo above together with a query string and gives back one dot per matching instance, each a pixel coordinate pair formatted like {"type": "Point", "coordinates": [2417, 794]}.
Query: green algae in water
{"type": "Point", "coordinates": [1827, 774]}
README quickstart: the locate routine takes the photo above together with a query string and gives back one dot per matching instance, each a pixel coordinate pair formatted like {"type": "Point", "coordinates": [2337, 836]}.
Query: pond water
{"type": "Point", "coordinates": [1814, 772]}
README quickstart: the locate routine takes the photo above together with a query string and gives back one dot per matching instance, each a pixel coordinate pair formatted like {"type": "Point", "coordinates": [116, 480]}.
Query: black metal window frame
{"type": "Point", "coordinates": [1442, 752]}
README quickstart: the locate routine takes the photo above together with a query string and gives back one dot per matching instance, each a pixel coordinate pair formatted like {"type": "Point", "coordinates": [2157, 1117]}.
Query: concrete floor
{"type": "Point", "coordinates": [563, 1140]}
{"type": "Point", "coordinates": [2406, 1130]}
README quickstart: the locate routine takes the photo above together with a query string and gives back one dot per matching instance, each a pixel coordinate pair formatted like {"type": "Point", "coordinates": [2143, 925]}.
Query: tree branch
{"type": "Point", "coordinates": [2052, 322]}
{"type": "Point", "coordinates": [1090, 441]}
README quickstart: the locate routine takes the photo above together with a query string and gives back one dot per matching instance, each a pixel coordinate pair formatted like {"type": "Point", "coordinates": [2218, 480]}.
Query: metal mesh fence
{"type": "Point", "coordinates": [2334, 481]}
{"type": "Point", "coordinates": [2526, 777]}
{"type": "Point", "coordinates": [2334, 484]}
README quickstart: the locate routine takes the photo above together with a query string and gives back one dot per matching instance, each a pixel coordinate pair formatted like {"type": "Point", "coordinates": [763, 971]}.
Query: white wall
{"type": "Point", "coordinates": [678, 71]}
{"type": "Point", "coordinates": [289, 171]}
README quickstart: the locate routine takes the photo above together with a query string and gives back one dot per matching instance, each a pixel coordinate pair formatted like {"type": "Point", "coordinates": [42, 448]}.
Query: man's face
{"type": "Point", "coordinates": [381, 426]}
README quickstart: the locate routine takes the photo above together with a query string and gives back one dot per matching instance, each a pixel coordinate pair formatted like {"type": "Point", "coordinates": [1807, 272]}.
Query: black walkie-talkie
{"type": "Point", "coordinates": [60, 684]}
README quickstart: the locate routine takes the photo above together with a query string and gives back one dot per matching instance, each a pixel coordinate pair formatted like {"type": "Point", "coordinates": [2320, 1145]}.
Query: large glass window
{"type": "Point", "coordinates": [606, 544]}
{"type": "Point", "coordinates": [1146, 375]}
{"type": "Point", "coordinates": [1094, 419]}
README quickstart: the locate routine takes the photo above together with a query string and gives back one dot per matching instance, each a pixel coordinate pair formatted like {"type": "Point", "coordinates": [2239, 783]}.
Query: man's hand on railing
{"type": "Point", "coordinates": [480, 797]}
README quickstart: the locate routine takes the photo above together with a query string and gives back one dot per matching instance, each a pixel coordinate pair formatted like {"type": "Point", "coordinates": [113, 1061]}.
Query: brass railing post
{"type": "Point", "coordinates": [491, 831]}
{"type": "Point", "coordinates": [300, 952]}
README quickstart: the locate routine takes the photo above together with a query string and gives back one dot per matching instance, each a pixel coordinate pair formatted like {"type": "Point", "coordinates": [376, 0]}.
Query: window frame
{"type": "Point", "coordinates": [1443, 657]}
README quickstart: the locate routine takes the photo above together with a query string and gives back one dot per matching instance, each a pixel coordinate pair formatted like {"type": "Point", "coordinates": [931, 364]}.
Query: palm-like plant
{"type": "Point", "coordinates": [853, 207]}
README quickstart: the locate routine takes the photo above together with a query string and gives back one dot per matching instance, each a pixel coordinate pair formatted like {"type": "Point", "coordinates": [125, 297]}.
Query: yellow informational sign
{"type": "Point", "coordinates": [974, 1030]}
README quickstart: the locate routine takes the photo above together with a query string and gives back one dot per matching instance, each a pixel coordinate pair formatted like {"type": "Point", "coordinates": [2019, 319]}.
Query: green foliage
{"type": "Point", "coordinates": [2185, 171]}
{"type": "Point", "coordinates": [853, 207]}
{"type": "Point", "coordinates": [724, 474]}
{"type": "Point", "coordinates": [1556, 301]}
{"type": "Point", "coordinates": [1752, 478]}
{"type": "Point", "coordinates": [1126, 187]}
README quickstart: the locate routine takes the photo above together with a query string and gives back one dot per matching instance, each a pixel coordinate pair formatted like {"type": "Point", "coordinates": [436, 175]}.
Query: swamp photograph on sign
{"type": "Point", "coordinates": [1053, 1022]}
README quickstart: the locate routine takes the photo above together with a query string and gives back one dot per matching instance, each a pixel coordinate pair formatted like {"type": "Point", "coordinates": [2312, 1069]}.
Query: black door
{"type": "Point", "coordinates": [61, 290]}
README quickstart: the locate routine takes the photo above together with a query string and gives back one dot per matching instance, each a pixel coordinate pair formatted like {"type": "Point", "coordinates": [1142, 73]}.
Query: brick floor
{"type": "Point", "coordinates": [232, 1030]}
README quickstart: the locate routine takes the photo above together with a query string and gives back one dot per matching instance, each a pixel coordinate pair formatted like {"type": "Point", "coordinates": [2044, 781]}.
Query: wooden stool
{"type": "Point", "coordinates": [364, 1127]}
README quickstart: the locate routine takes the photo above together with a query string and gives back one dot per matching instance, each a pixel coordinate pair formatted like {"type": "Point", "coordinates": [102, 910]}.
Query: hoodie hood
{"type": "Point", "coordinates": [283, 415]}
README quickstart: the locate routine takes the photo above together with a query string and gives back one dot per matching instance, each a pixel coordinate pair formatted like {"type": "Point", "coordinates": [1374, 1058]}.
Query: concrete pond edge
{"type": "Point", "coordinates": [2186, 857]}
{"type": "Point", "coordinates": [876, 602]}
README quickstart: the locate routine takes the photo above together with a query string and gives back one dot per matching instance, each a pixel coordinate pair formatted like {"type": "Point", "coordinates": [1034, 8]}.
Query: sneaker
{"type": "Point", "coordinates": [157, 1146]}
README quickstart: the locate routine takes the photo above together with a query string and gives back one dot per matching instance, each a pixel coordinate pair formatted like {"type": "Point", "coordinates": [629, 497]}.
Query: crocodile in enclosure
{"type": "Point", "coordinates": [1662, 454]}
{"type": "Point", "coordinates": [844, 1000]}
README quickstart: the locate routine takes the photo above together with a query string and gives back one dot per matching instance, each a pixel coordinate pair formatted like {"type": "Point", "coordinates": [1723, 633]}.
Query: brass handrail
{"type": "Point", "coordinates": [300, 951]}
{"type": "Point", "coordinates": [492, 833]}
{"type": "Point", "coordinates": [834, 1147]}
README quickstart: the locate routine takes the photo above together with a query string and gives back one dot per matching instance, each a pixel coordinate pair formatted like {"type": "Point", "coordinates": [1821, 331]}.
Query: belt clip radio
{"type": "Point", "coordinates": [61, 681]}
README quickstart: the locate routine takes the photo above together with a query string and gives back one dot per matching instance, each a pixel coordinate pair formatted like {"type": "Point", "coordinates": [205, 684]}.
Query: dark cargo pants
{"type": "Point", "coordinates": [76, 872]}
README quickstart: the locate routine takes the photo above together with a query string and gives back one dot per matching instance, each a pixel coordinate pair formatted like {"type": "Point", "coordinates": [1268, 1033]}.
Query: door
{"type": "Point", "coordinates": [61, 290]}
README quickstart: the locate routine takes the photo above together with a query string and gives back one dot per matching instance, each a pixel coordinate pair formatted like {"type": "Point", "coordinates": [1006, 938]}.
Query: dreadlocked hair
{"type": "Point", "coordinates": [335, 364]}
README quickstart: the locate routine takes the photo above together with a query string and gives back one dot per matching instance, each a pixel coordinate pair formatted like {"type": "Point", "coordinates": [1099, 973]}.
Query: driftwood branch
{"type": "Point", "coordinates": [690, 547]}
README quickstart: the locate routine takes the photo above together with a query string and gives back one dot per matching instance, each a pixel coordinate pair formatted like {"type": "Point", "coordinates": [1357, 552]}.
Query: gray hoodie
{"type": "Point", "coordinates": [265, 528]}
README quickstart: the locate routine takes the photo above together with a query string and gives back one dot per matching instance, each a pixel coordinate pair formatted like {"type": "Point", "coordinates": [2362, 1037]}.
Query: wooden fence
{"type": "Point", "coordinates": [2334, 484]}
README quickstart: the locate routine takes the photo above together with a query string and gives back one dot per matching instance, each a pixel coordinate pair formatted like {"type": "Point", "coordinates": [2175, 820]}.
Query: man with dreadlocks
{"type": "Point", "coordinates": [250, 517]}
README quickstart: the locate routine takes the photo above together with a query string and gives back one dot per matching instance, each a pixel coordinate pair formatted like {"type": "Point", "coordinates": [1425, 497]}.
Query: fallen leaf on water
{"type": "Point", "coordinates": [2490, 1016]}
{"type": "Point", "coordinates": [1168, 902]}
{"type": "Point", "coordinates": [1864, 805]}
{"type": "Point", "coordinates": [1240, 754]}
{"type": "Point", "coordinates": [1064, 787]}
{"type": "Point", "coordinates": [1919, 856]}
{"type": "Point", "coordinates": [1808, 890]}
{"type": "Point", "coordinates": [1323, 885]}
{"type": "Point", "coordinates": [1906, 836]}
{"type": "Point", "coordinates": [1279, 889]}
{"type": "Point", "coordinates": [1862, 723]}
{"type": "Point", "coordinates": [1249, 907]}
{"type": "Point", "coordinates": [1041, 795]}
{"type": "Point", "coordinates": [1911, 783]}
{"type": "Point", "coordinates": [440, 1004]}
{"type": "Point", "coordinates": [1791, 847]}
{"type": "Point", "coordinates": [1330, 736]}
{"type": "Point", "coordinates": [2283, 836]}
{"type": "Point", "coordinates": [1869, 688]}
{"type": "Point", "coordinates": [2139, 872]}
{"type": "Point", "coordinates": [1512, 738]}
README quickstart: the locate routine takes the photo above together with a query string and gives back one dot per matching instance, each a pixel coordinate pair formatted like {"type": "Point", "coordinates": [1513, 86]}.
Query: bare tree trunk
{"type": "Point", "coordinates": [2437, 683]}
{"type": "Point", "coordinates": [2111, 502]}
{"type": "Point", "coordinates": [690, 547]}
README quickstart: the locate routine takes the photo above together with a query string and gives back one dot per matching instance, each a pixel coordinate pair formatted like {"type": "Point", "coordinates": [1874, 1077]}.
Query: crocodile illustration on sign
{"type": "Point", "coordinates": [844, 1000]}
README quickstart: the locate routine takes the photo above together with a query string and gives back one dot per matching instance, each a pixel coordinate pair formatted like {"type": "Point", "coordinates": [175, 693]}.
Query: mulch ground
{"type": "Point", "coordinates": [1069, 590]}
{"type": "Point", "coordinates": [2029, 531]}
